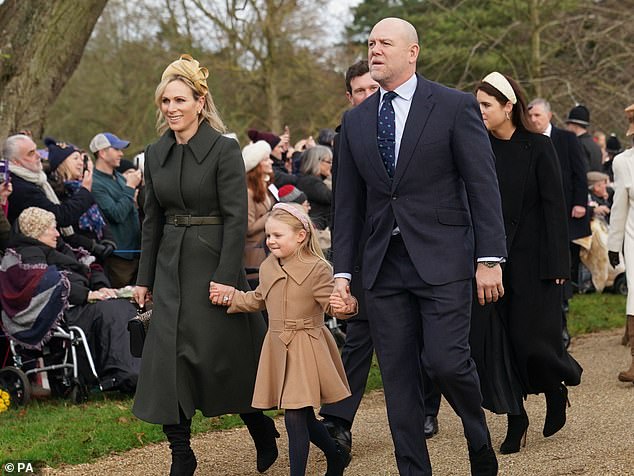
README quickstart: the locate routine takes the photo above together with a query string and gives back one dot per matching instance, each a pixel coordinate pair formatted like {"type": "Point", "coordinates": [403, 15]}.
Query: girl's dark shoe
{"type": "Point", "coordinates": [338, 462]}
{"type": "Point", "coordinates": [556, 402]}
{"type": "Point", "coordinates": [515, 433]}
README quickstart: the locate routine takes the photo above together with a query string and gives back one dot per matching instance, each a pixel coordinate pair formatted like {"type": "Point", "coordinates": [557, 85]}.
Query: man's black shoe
{"type": "Point", "coordinates": [340, 434]}
{"type": "Point", "coordinates": [431, 426]}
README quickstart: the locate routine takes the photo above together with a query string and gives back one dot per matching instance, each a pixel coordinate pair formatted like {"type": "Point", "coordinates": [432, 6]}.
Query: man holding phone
{"type": "Point", "coordinates": [115, 195]}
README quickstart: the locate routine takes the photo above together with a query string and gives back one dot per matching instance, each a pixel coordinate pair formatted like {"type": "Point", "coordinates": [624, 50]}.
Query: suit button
{"type": "Point", "coordinates": [394, 197]}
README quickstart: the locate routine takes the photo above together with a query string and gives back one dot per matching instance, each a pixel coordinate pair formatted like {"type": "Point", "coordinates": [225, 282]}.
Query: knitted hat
{"type": "Point", "coordinates": [58, 152]}
{"type": "Point", "coordinates": [33, 222]}
{"type": "Point", "coordinates": [255, 153]}
{"type": "Point", "coordinates": [269, 137]}
{"type": "Point", "coordinates": [579, 115]}
{"type": "Point", "coordinates": [291, 194]}
{"type": "Point", "coordinates": [596, 177]}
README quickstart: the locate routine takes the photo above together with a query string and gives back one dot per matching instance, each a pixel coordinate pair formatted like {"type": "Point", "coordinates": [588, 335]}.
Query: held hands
{"type": "Point", "coordinates": [613, 256]}
{"type": "Point", "coordinates": [221, 294]}
{"type": "Point", "coordinates": [341, 300]}
{"type": "Point", "coordinates": [340, 308]}
{"type": "Point", "coordinates": [489, 283]}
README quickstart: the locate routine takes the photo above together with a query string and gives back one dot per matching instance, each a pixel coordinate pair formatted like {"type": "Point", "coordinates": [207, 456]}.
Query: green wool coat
{"type": "Point", "coordinates": [195, 354]}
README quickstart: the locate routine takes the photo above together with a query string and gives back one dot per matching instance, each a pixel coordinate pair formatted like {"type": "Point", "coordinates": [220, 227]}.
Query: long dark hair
{"type": "Point", "coordinates": [519, 114]}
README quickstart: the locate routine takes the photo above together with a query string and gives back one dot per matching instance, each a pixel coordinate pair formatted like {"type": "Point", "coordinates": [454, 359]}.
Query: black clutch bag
{"type": "Point", "coordinates": [138, 327]}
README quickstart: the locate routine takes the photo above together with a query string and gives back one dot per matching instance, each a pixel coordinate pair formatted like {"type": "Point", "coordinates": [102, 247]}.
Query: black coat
{"type": "Point", "coordinates": [534, 213]}
{"type": "Point", "coordinates": [320, 199]}
{"type": "Point", "coordinates": [26, 194]}
{"type": "Point", "coordinates": [573, 174]}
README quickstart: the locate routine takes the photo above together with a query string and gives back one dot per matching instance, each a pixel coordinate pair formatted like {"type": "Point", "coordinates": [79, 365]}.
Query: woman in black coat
{"type": "Point", "coordinates": [93, 304]}
{"type": "Point", "coordinates": [516, 342]}
{"type": "Point", "coordinates": [315, 166]}
{"type": "Point", "coordinates": [195, 355]}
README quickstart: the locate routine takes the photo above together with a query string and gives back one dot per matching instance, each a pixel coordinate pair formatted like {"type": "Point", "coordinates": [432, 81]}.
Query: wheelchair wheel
{"type": "Point", "coordinates": [14, 381]}
{"type": "Point", "coordinates": [620, 285]}
{"type": "Point", "coordinates": [78, 393]}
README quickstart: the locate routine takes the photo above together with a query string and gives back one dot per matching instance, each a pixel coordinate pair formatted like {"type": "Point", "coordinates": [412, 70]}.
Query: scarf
{"type": "Point", "coordinates": [92, 219]}
{"type": "Point", "coordinates": [33, 300]}
{"type": "Point", "coordinates": [39, 179]}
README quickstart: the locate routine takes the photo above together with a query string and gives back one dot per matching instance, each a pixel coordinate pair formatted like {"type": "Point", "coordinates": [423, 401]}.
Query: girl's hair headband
{"type": "Point", "coordinates": [296, 212]}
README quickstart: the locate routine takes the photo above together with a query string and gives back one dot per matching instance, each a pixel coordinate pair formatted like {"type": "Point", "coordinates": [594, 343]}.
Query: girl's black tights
{"type": "Point", "coordinates": [302, 428]}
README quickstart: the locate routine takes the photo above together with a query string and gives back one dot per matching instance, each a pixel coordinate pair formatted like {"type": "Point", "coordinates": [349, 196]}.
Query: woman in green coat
{"type": "Point", "coordinates": [195, 355]}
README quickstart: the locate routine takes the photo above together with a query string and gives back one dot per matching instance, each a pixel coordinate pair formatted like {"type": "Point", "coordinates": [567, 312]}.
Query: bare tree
{"type": "Point", "coordinates": [41, 43]}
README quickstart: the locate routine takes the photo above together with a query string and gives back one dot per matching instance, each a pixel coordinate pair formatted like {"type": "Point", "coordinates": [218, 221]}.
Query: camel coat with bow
{"type": "Point", "coordinates": [299, 365]}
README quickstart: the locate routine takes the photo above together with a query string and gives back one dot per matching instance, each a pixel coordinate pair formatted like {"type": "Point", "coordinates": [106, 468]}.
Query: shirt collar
{"type": "Point", "coordinates": [406, 90]}
{"type": "Point", "coordinates": [548, 130]}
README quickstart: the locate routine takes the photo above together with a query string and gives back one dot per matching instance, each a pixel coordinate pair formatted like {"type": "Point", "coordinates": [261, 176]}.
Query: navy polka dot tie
{"type": "Point", "coordinates": [386, 133]}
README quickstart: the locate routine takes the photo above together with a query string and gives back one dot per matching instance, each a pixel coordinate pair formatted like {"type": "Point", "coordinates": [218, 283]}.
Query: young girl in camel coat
{"type": "Point", "coordinates": [300, 367]}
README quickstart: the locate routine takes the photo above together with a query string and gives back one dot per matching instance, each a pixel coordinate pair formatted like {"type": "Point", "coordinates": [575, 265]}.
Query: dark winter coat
{"type": "Point", "coordinates": [573, 175]}
{"type": "Point", "coordinates": [26, 194]}
{"type": "Point", "coordinates": [535, 221]}
{"type": "Point", "coordinates": [320, 199]}
{"type": "Point", "coordinates": [195, 355]}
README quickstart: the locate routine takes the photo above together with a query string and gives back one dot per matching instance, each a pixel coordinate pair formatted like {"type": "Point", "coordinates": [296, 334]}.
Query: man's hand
{"type": "Point", "coordinates": [342, 289]}
{"type": "Point", "coordinates": [133, 179]}
{"type": "Point", "coordinates": [489, 283]}
{"type": "Point", "coordinates": [578, 211]}
{"type": "Point", "coordinates": [613, 256]}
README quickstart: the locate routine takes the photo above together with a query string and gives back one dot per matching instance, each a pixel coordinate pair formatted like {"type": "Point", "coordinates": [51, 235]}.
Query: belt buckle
{"type": "Point", "coordinates": [182, 220]}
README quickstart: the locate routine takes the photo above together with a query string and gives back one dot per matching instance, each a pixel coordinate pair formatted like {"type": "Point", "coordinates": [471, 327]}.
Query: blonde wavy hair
{"type": "Point", "coordinates": [208, 113]}
{"type": "Point", "coordinates": [310, 245]}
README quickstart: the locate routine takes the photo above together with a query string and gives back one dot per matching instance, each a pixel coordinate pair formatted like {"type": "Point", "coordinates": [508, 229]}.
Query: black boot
{"type": "Point", "coordinates": [183, 458]}
{"type": "Point", "coordinates": [483, 461]}
{"type": "Point", "coordinates": [556, 401]}
{"type": "Point", "coordinates": [262, 430]}
{"type": "Point", "coordinates": [338, 462]}
{"type": "Point", "coordinates": [515, 433]}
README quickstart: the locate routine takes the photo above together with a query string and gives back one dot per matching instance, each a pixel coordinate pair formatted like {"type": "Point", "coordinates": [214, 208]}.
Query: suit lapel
{"type": "Point", "coordinates": [368, 133]}
{"type": "Point", "coordinates": [419, 111]}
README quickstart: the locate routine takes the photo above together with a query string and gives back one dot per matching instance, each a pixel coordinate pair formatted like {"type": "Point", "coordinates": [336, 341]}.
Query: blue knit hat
{"type": "Point", "coordinates": [58, 152]}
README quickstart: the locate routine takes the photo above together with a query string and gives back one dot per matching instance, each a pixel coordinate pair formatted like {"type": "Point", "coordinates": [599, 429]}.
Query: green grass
{"type": "Point", "coordinates": [595, 312]}
{"type": "Point", "coordinates": [57, 431]}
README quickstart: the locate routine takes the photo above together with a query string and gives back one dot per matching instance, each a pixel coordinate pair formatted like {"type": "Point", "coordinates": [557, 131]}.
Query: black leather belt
{"type": "Point", "coordinates": [189, 220]}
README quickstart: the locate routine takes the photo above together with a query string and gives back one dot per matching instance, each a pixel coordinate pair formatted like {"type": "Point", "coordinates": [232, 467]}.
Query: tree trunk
{"type": "Point", "coordinates": [41, 43]}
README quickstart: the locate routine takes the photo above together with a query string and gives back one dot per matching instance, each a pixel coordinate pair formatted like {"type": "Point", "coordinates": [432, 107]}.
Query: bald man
{"type": "Point", "coordinates": [416, 171]}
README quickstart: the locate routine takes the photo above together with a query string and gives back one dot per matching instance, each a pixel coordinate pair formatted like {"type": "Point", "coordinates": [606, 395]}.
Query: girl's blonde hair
{"type": "Point", "coordinates": [311, 244]}
{"type": "Point", "coordinates": [208, 113]}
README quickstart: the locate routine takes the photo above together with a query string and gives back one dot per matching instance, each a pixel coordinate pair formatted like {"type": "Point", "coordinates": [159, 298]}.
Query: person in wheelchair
{"type": "Point", "coordinates": [92, 303]}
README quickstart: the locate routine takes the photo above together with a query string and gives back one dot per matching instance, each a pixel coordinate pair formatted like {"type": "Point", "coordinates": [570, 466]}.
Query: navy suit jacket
{"type": "Point", "coordinates": [444, 196]}
{"type": "Point", "coordinates": [573, 173]}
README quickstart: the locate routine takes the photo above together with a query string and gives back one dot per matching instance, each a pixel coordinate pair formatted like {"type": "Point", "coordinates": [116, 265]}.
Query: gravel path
{"type": "Point", "coordinates": [597, 440]}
